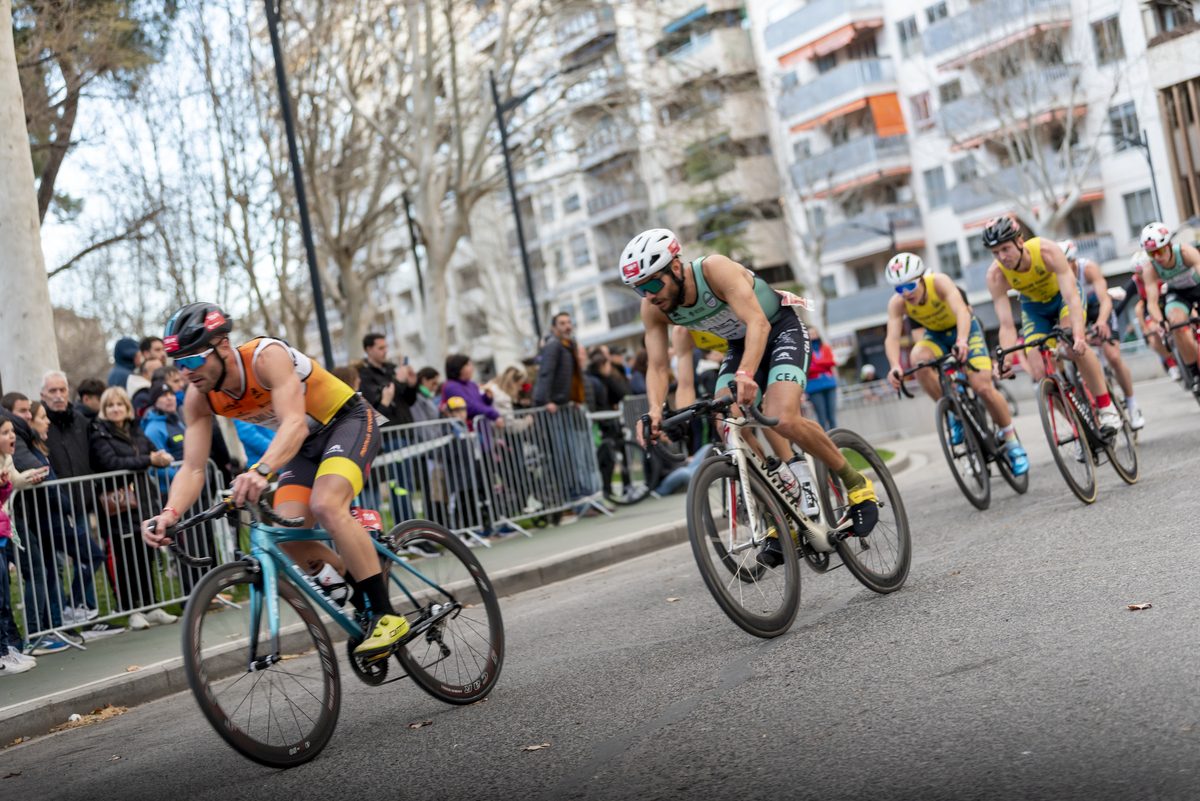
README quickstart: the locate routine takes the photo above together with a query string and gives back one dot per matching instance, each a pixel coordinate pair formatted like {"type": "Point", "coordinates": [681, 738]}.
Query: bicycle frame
{"type": "Point", "coordinates": [1068, 387]}
{"type": "Point", "coordinates": [266, 554]}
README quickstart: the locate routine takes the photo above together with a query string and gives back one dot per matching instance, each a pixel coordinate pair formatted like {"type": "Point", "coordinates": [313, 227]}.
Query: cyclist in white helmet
{"type": "Point", "coordinates": [767, 346]}
{"type": "Point", "coordinates": [1177, 266]}
{"type": "Point", "coordinates": [932, 301]}
{"type": "Point", "coordinates": [1098, 309]}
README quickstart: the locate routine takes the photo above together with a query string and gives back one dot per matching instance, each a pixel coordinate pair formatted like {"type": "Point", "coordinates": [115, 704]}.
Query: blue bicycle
{"type": "Point", "coordinates": [271, 687]}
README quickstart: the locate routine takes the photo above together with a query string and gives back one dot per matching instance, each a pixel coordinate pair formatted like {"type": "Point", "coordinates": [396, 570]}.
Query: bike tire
{"type": "Point", "coordinates": [877, 571]}
{"type": "Point", "coordinates": [642, 469]}
{"type": "Point", "coordinates": [727, 584]}
{"type": "Point", "coordinates": [1019, 483]}
{"type": "Point", "coordinates": [972, 474]}
{"type": "Point", "coordinates": [213, 652]}
{"type": "Point", "coordinates": [1013, 408]}
{"type": "Point", "coordinates": [1056, 412]}
{"type": "Point", "coordinates": [1122, 451]}
{"type": "Point", "coordinates": [474, 636]}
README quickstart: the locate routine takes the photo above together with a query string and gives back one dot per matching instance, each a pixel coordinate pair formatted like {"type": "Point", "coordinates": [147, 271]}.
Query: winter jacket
{"type": "Point", "coordinates": [820, 369]}
{"type": "Point", "coordinates": [115, 448]}
{"type": "Point", "coordinates": [559, 380]}
{"type": "Point", "coordinates": [70, 452]}
{"type": "Point", "coordinates": [372, 381]}
{"type": "Point", "coordinates": [477, 402]}
{"type": "Point", "coordinates": [123, 354]}
{"type": "Point", "coordinates": [637, 383]}
{"type": "Point", "coordinates": [166, 432]}
{"type": "Point", "coordinates": [255, 439]}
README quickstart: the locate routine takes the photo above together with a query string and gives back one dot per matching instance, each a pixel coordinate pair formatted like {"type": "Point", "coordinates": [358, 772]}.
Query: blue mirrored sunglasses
{"type": "Point", "coordinates": [194, 362]}
{"type": "Point", "coordinates": [650, 287]}
{"type": "Point", "coordinates": [911, 286]}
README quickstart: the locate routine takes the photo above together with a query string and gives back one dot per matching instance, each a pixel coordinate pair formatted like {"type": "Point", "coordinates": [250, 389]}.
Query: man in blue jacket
{"type": "Point", "coordinates": [162, 425]}
{"type": "Point", "coordinates": [123, 356]}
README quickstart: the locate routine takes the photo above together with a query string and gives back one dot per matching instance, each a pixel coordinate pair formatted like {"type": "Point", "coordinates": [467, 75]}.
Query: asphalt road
{"type": "Point", "coordinates": [1007, 667]}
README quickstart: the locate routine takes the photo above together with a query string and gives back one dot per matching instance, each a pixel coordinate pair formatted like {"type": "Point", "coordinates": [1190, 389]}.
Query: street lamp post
{"type": "Point", "coordinates": [289, 124]}
{"type": "Point", "coordinates": [1142, 143]}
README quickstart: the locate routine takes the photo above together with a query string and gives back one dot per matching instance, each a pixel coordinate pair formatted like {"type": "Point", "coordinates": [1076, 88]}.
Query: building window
{"type": "Point", "coordinates": [862, 47]}
{"type": "Point", "coordinates": [579, 251]}
{"type": "Point", "coordinates": [816, 218]}
{"type": "Point", "coordinates": [922, 112]}
{"type": "Point", "coordinates": [1081, 221]}
{"type": "Point", "coordinates": [965, 170]}
{"type": "Point", "coordinates": [477, 325]}
{"type": "Point", "coordinates": [568, 308]}
{"type": "Point", "coordinates": [950, 91]}
{"type": "Point", "coordinates": [1170, 15]}
{"type": "Point", "coordinates": [590, 306]}
{"type": "Point", "coordinates": [826, 63]}
{"type": "Point", "coordinates": [910, 39]}
{"type": "Point", "coordinates": [1109, 46]}
{"type": "Point", "coordinates": [936, 12]}
{"type": "Point", "coordinates": [414, 344]}
{"type": "Point", "coordinates": [560, 263]}
{"type": "Point", "coordinates": [865, 275]}
{"type": "Point", "coordinates": [801, 149]}
{"type": "Point", "coordinates": [406, 302]}
{"type": "Point", "coordinates": [451, 336]}
{"type": "Point", "coordinates": [948, 261]}
{"type": "Point", "coordinates": [547, 207]}
{"type": "Point", "coordinates": [976, 249]}
{"type": "Point", "coordinates": [468, 279]}
{"type": "Point", "coordinates": [935, 187]}
{"type": "Point", "coordinates": [788, 81]}
{"type": "Point", "coordinates": [571, 204]}
{"type": "Point", "coordinates": [829, 286]}
{"type": "Point", "coordinates": [1124, 122]}
{"type": "Point", "coordinates": [1139, 209]}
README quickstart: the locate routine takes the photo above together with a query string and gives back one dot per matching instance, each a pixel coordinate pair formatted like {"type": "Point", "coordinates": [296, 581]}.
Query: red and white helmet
{"type": "Point", "coordinates": [904, 268]}
{"type": "Point", "coordinates": [1068, 249]}
{"type": "Point", "coordinates": [648, 253]}
{"type": "Point", "coordinates": [1155, 236]}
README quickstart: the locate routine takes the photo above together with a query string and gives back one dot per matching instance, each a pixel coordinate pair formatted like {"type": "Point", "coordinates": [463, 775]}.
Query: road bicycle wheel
{"type": "Point", "coordinates": [1019, 483]}
{"type": "Point", "coordinates": [634, 472]}
{"type": "Point", "coordinates": [966, 459]}
{"type": "Point", "coordinates": [1013, 409]}
{"type": "Point", "coordinates": [881, 559]}
{"type": "Point", "coordinates": [458, 659]}
{"type": "Point", "coordinates": [1186, 380]}
{"type": "Point", "coordinates": [1122, 451]}
{"type": "Point", "coordinates": [280, 715]}
{"type": "Point", "coordinates": [762, 600]}
{"type": "Point", "coordinates": [1068, 443]}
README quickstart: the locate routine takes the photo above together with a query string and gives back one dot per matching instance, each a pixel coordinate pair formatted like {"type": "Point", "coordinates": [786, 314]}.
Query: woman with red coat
{"type": "Point", "coordinates": [822, 381]}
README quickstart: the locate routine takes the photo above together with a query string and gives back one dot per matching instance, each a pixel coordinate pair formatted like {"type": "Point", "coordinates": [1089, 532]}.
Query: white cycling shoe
{"type": "Point", "coordinates": [1108, 419]}
{"type": "Point", "coordinates": [1136, 421]}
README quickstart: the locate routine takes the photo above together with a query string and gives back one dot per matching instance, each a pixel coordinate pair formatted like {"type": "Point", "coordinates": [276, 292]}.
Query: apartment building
{"type": "Point", "coordinates": [661, 122]}
{"type": "Point", "coordinates": [898, 124]}
{"type": "Point", "coordinates": [1173, 61]}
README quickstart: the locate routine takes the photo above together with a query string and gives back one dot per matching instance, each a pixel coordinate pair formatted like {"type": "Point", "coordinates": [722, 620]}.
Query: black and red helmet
{"type": "Point", "coordinates": [192, 327]}
{"type": "Point", "coordinates": [1001, 229]}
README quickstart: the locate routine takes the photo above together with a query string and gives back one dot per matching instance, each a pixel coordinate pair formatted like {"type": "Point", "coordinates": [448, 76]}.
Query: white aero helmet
{"type": "Point", "coordinates": [904, 268]}
{"type": "Point", "coordinates": [1155, 236]}
{"type": "Point", "coordinates": [1139, 260]}
{"type": "Point", "coordinates": [1068, 249]}
{"type": "Point", "coordinates": [648, 253]}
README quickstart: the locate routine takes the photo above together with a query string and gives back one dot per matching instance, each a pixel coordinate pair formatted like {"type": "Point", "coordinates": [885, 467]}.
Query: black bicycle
{"type": "Point", "coordinates": [1068, 416]}
{"type": "Point", "coordinates": [970, 438]}
{"type": "Point", "coordinates": [1189, 381]}
{"type": "Point", "coordinates": [630, 472]}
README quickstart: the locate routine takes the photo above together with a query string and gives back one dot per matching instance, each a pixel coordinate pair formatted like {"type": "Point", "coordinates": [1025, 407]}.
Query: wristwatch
{"type": "Point", "coordinates": [262, 468]}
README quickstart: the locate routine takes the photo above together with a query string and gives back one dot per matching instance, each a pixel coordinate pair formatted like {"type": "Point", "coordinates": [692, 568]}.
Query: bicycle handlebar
{"type": "Point", "coordinates": [261, 511]}
{"type": "Point", "coordinates": [939, 361]}
{"type": "Point", "coordinates": [1185, 323]}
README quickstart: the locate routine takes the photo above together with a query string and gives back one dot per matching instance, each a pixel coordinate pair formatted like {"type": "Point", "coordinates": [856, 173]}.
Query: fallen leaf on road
{"type": "Point", "coordinates": [132, 668]}
{"type": "Point", "coordinates": [105, 712]}
{"type": "Point", "coordinates": [956, 572]}
{"type": "Point", "coordinates": [536, 747]}
{"type": "Point", "coordinates": [419, 725]}
{"type": "Point", "coordinates": [480, 701]}
{"type": "Point", "coordinates": [9, 776]}
{"type": "Point", "coordinates": [114, 759]}
{"type": "Point", "coordinates": [1136, 607]}
{"type": "Point", "coordinates": [1189, 728]}
{"type": "Point", "coordinates": [672, 600]}
{"type": "Point", "coordinates": [605, 570]}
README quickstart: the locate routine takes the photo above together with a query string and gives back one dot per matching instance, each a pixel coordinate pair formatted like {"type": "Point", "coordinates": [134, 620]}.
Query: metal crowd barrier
{"type": "Point", "coordinates": [79, 552]}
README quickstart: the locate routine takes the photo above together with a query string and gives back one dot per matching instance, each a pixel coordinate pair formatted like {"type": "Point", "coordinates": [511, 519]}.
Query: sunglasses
{"type": "Point", "coordinates": [651, 287]}
{"type": "Point", "coordinates": [911, 286]}
{"type": "Point", "coordinates": [193, 362]}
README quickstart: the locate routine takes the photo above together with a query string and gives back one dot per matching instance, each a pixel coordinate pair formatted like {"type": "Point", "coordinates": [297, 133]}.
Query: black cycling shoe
{"type": "Point", "coordinates": [865, 509]}
{"type": "Point", "coordinates": [771, 555]}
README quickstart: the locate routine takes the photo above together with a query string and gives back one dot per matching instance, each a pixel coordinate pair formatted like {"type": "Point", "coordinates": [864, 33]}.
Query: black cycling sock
{"type": "Point", "coordinates": [377, 595]}
{"type": "Point", "coordinates": [358, 598]}
{"type": "Point", "coordinates": [851, 477]}
{"type": "Point", "coordinates": [1194, 369]}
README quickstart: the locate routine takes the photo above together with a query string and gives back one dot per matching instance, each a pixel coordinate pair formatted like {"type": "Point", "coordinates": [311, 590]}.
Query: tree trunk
{"type": "Point", "coordinates": [27, 324]}
{"type": "Point", "coordinates": [62, 138]}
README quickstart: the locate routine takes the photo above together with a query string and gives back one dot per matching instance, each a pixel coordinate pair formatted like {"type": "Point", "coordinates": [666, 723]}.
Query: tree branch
{"type": "Point", "coordinates": [132, 234]}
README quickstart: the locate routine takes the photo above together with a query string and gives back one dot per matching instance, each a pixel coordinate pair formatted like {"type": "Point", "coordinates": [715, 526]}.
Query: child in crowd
{"type": "Point", "coordinates": [12, 661]}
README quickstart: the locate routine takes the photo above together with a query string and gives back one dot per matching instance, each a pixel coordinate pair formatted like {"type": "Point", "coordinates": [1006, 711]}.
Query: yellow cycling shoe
{"type": "Point", "coordinates": [864, 509]}
{"type": "Point", "coordinates": [386, 631]}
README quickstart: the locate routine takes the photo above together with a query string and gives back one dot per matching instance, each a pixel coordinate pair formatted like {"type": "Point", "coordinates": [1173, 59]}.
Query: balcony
{"type": "Point", "coordinates": [598, 84]}
{"type": "Point", "coordinates": [989, 26]}
{"type": "Point", "coordinates": [1003, 185]}
{"type": "Point", "coordinates": [851, 161]}
{"type": "Point", "coordinates": [866, 303]}
{"type": "Point", "coordinates": [605, 144]}
{"type": "Point", "coordinates": [820, 17]}
{"type": "Point", "coordinates": [721, 51]}
{"type": "Point", "coordinates": [583, 29]}
{"type": "Point", "coordinates": [616, 201]}
{"type": "Point", "coordinates": [623, 315]}
{"type": "Point", "coordinates": [1097, 247]}
{"type": "Point", "coordinates": [753, 179]}
{"type": "Point", "coordinates": [841, 85]}
{"type": "Point", "coordinates": [863, 231]}
{"type": "Point", "coordinates": [1015, 102]}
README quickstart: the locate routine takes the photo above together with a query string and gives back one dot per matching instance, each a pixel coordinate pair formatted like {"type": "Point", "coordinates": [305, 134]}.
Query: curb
{"type": "Point", "coordinates": [37, 716]}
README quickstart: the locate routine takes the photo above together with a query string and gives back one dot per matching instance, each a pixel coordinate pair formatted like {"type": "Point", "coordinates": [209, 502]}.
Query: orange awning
{"type": "Point", "coordinates": [828, 43]}
{"type": "Point", "coordinates": [824, 118]}
{"type": "Point", "coordinates": [889, 120]}
{"type": "Point", "coordinates": [866, 179]}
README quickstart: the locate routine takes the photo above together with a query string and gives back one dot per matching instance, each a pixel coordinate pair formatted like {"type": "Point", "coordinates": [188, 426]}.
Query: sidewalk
{"type": "Point", "coordinates": [80, 681]}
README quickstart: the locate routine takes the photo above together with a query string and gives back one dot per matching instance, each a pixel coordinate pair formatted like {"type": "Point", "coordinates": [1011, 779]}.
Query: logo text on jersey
{"type": "Point", "coordinates": [214, 319]}
{"type": "Point", "coordinates": [335, 449]}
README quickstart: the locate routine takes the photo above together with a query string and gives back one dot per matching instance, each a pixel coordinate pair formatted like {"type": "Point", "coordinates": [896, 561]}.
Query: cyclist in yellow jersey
{"type": "Point", "coordinates": [325, 437]}
{"type": "Point", "coordinates": [1039, 271]}
{"type": "Point", "coordinates": [932, 301]}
